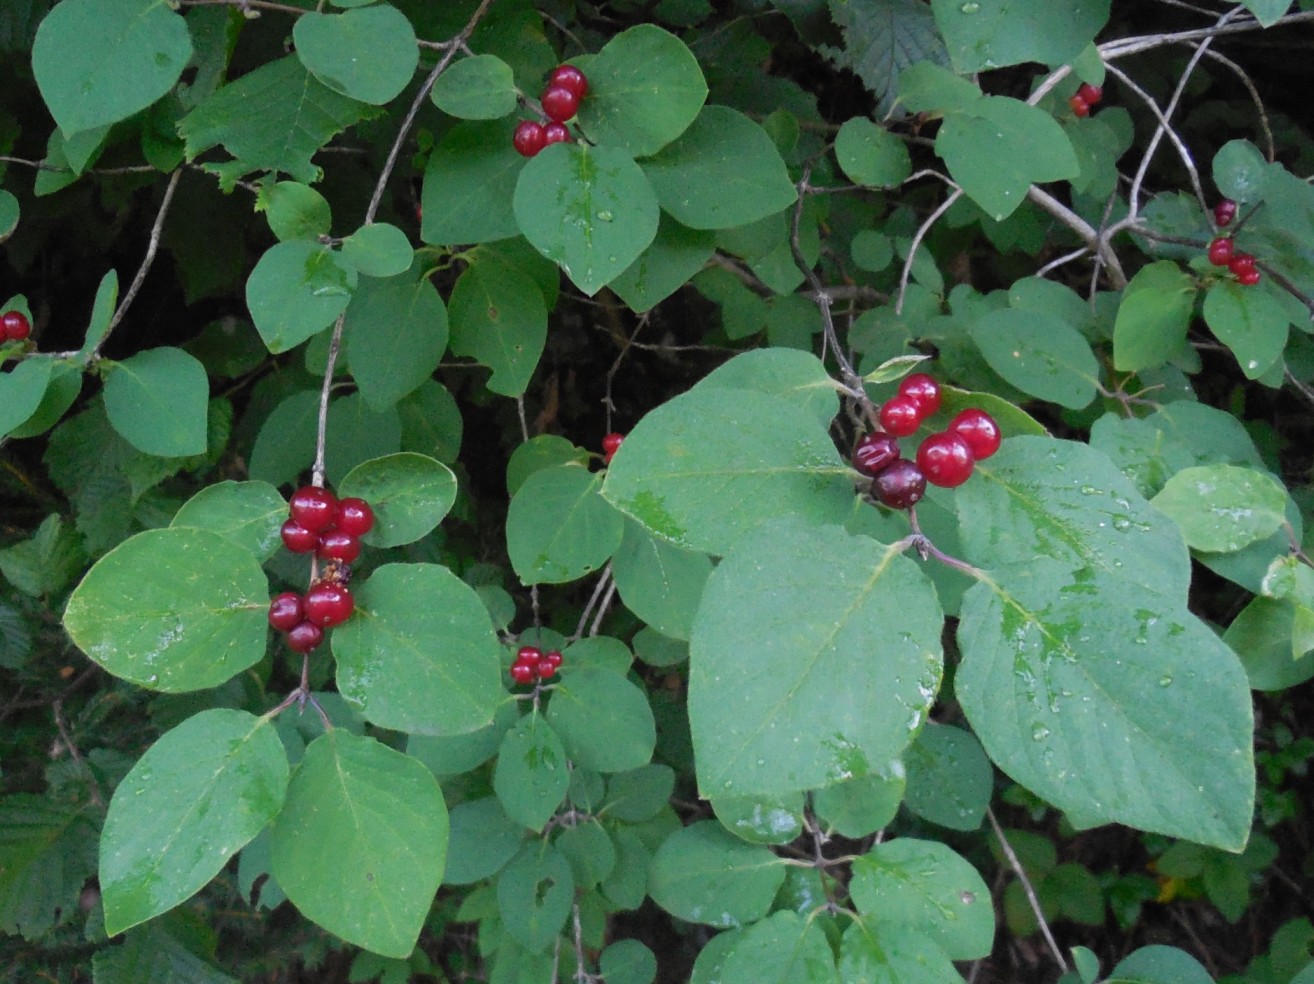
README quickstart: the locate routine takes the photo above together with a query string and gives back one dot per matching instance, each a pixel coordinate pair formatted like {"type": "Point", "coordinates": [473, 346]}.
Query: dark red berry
{"type": "Point", "coordinates": [1220, 251]}
{"type": "Point", "coordinates": [559, 103]}
{"type": "Point", "coordinates": [327, 604]}
{"type": "Point", "coordinates": [355, 516]}
{"type": "Point", "coordinates": [946, 459]}
{"type": "Point", "coordinates": [900, 485]}
{"type": "Point", "coordinates": [569, 77]}
{"type": "Point", "coordinates": [524, 672]}
{"type": "Point", "coordinates": [1241, 263]}
{"type": "Point", "coordinates": [297, 538]}
{"type": "Point", "coordinates": [314, 508]}
{"type": "Point", "coordinates": [1224, 212]}
{"type": "Point", "coordinates": [874, 452]}
{"type": "Point", "coordinates": [336, 545]}
{"type": "Point", "coordinates": [922, 390]}
{"type": "Point", "coordinates": [1079, 106]}
{"type": "Point", "coordinates": [1090, 94]}
{"type": "Point", "coordinates": [14, 326]}
{"type": "Point", "coordinates": [556, 133]}
{"type": "Point", "coordinates": [304, 636]}
{"type": "Point", "coordinates": [901, 416]}
{"type": "Point", "coordinates": [553, 656]}
{"type": "Point", "coordinates": [530, 137]}
{"type": "Point", "coordinates": [979, 430]}
{"type": "Point", "coordinates": [285, 611]}
{"type": "Point", "coordinates": [1248, 278]}
{"type": "Point", "coordinates": [545, 669]}
{"type": "Point", "coordinates": [529, 655]}
{"type": "Point", "coordinates": [611, 444]}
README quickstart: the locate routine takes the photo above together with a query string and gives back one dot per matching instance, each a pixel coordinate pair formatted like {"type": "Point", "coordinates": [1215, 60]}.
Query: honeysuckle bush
{"type": "Point", "coordinates": [796, 736]}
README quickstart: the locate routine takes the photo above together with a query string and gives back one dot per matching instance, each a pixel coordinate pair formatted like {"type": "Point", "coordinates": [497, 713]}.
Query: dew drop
{"type": "Point", "coordinates": [605, 215]}
{"type": "Point", "coordinates": [970, 7]}
{"type": "Point", "coordinates": [1039, 732]}
{"type": "Point", "coordinates": [1166, 680]}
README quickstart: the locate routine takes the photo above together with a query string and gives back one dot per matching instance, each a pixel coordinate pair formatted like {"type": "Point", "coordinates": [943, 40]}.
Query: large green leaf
{"type": "Point", "coordinates": [297, 289]}
{"type": "Point", "coordinates": [410, 494]}
{"type": "Point", "coordinates": [1223, 507]}
{"type": "Point", "coordinates": [1153, 317]}
{"type": "Point", "coordinates": [884, 41]}
{"type": "Point", "coordinates": [361, 842]}
{"type": "Point", "coordinates": [986, 34]}
{"type": "Point", "coordinates": [195, 799]}
{"type": "Point", "coordinates": [704, 468]}
{"type": "Point", "coordinates": [670, 260]}
{"type": "Point", "coordinates": [558, 528]}
{"type": "Point", "coordinates": [702, 873]}
{"type": "Point", "coordinates": [785, 631]}
{"type": "Point", "coordinates": [172, 609]}
{"type": "Point", "coordinates": [152, 955]}
{"type": "Point", "coordinates": [367, 54]}
{"type": "Point", "coordinates": [589, 209]}
{"type": "Point", "coordinates": [498, 317]}
{"type": "Point", "coordinates": [604, 720]}
{"type": "Point", "coordinates": [247, 513]}
{"type": "Point", "coordinates": [469, 184]}
{"type": "Point", "coordinates": [395, 336]}
{"type": "Point", "coordinates": [796, 377]}
{"type": "Point", "coordinates": [1040, 354]}
{"type": "Point", "coordinates": [100, 61]}
{"type": "Point", "coordinates": [159, 401]}
{"type": "Point", "coordinates": [47, 853]}
{"type": "Point", "coordinates": [481, 87]}
{"type": "Point", "coordinates": [660, 583]}
{"type": "Point", "coordinates": [870, 956]}
{"type": "Point", "coordinates": [784, 948]}
{"type": "Point", "coordinates": [1250, 322]}
{"type": "Point", "coordinates": [419, 654]}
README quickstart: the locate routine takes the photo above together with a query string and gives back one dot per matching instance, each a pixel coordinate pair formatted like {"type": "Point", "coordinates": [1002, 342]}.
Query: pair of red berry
{"type": "Point", "coordinates": [610, 445]}
{"type": "Point", "coordinates": [319, 522]}
{"type": "Point", "coordinates": [533, 664]}
{"type": "Point", "coordinates": [305, 617]}
{"type": "Point", "coordinates": [1222, 252]}
{"type": "Point", "coordinates": [14, 326]}
{"type": "Point", "coordinates": [1084, 98]}
{"type": "Point", "coordinates": [560, 101]}
{"type": "Point", "coordinates": [945, 459]}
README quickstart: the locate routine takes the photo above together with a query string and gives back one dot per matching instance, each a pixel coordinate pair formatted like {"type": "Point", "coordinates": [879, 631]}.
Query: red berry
{"type": "Point", "coordinates": [979, 430]}
{"type": "Point", "coordinates": [355, 516]}
{"type": "Point", "coordinates": [569, 77]}
{"type": "Point", "coordinates": [1079, 106]}
{"type": "Point", "coordinates": [556, 133]}
{"type": "Point", "coordinates": [1248, 278]}
{"type": "Point", "coordinates": [1090, 94]}
{"type": "Point", "coordinates": [529, 655]}
{"type": "Point", "coordinates": [336, 545]}
{"type": "Point", "coordinates": [901, 416]}
{"type": "Point", "coordinates": [612, 442]}
{"type": "Point", "coordinates": [1220, 251]}
{"type": "Point", "coordinates": [900, 485]}
{"type": "Point", "coordinates": [1241, 263]}
{"type": "Point", "coordinates": [14, 326]}
{"type": "Point", "coordinates": [523, 672]}
{"type": "Point", "coordinates": [529, 138]}
{"type": "Point", "coordinates": [559, 103]}
{"type": "Point", "coordinates": [314, 508]}
{"type": "Point", "coordinates": [297, 538]}
{"type": "Point", "coordinates": [304, 636]}
{"type": "Point", "coordinates": [285, 611]}
{"type": "Point", "coordinates": [922, 390]}
{"type": "Point", "coordinates": [874, 452]}
{"type": "Point", "coordinates": [545, 669]}
{"type": "Point", "coordinates": [553, 656]}
{"type": "Point", "coordinates": [1224, 212]}
{"type": "Point", "coordinates": [946, 459]}
{"type": "Point", "coordinates": [327, 604]}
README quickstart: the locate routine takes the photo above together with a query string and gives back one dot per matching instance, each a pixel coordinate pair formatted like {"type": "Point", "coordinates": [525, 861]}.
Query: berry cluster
{"type": "Point", "coordinates": [14, 327]}
{"type": "Point", "coordinates": [305, 617]}
{"type": "Point", "coordinates": [1084, 98]}
{"type": "Point", "coordinates": [533, 664]}
{"type": "Point", "coordinates": [1222, 249]}
{"type": "Point", "coordinates": [610, 445]}
{"type": "Point", "coordinates": [945, 459]}
{"type": "Point", "coordinates": [560, 101]}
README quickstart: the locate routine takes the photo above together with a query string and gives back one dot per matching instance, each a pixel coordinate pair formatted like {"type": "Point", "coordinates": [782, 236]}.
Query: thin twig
{"type": "Point", "coordinates": [598, 589]}
{"type": "Point", "coordinates": [1083, 229]}
{"type": "Point", "coordinates": [71, 745]}
{"type": "Point", "coordinates": [1260, 112]}
{"type": "Point", "coordinates": [918, 236]}
{"type": "Point", "coordinates": [1026, 887]}
{"type": "Point", "coordinates": [605, 604]}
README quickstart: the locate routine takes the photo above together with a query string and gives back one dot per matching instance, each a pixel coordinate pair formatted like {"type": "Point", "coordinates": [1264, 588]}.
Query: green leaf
{"type": "Point", "coordinates": [47, 854]}
{"type": "Point", "coordinates": [294, 210]}
{"type": "Point", "coordinates": [885, 43]}
{"type": "Point", "coordinates": [395, 335]}
{"type": "Point", "coordinates": [296, 290]}
{"type": "Point", "coordinates": [481, 87]}
{"type": "Point", "coordinates": [1223, 508]}
{"type": "Point", "coordinates": [21, 392]}
{"type": "Point", "coordinates": [1040, 354]}
{"type": "Point", "coordinates": [706, 467]}
{"type": "Point", "coordinates": [483, 839]}
{"type": "Point", "coordinates": [783, 630]}
{"type": "Point", "coordinates": [1159, 965]}
{"type": "Point", "coordinates": [469, 184]}
{"type": "Point", "coordinates": [1266, 635]}
{"type": "Point", "coordinates": [660, 583]}
{"type": "Point", "coordinates": [702, 873]}
{"type": "Point", "coordinates": [950, 780]}
{"type": "Point", "coordinates": [903, 957]}
{"type": "Point", "coordinates": [558, 528]}
{"type": "Point", "coordinates": [645, 88]}
{"type": "Point", "coordinates": [670, 260]}
{"type": "Point", "coordinates": [723, 171]}
{"type": "Point", "coordinates": [410, 494]}
{"type": "Point", "coordinates": [639, 794]}
{"type": "Point", "coordinates": [604, 721]}
{"type": "Point", "coordinates": [796, 377]}
{"type": "Point", "coordinates": [102, 314]}
{"type": "Point", "coordinates": [538, 453]}
{"type": "Point", "coordinates": [451, 755]}
{"type": "Point", "coordinates": [172, 609]}
{"type": "Point", "coordinates": [927, 87]}
{"type": "Point", "coordinates": [61, 391]}
{"type": "Point", "coordinates": [628, 962]}
{"type": "Point", "coordinates": [1250, 322]}
{"type": "Point", "coordinates": [159, 400]}
{"type": "Point", "coordinates": [498, 317]}
{"type": "Point", "coordinates": [431, 422]}
{"type": "Point", "coordinates": [100, 61]}
{"type": "Point", "coordinates": [859, 807]}
{"type": "Point", "coordinates": [247, 513]}
{"type": "Point", "coordinates": [1239, 168]}
{"type": "Point", "coordinates": [924, 887]}
{"type": "Point", "coordinates": [784, 948]}
{"type": "Point", "coordinates": [534, 896]}
{"type": "Point", "coordinates": [419, 654]}
{"type": "Point", "coordinates": [45, 562]}
{"type": "Point", "coordinates": [378, 250]}
{"type": "Point", "coordinates": [761, 820]}
{"type": "Point", "coordinates": [589, 209]}
{"type": "Point", "coordinates": [9, 212]}
{"type": "Point", "coordinates": [367, 54]}
{"type": "Point", "coordinates": [589, 850]}
{"type": "Point", "coordinates": [1153, 317]}
{"type": "Point", "coordinates": [152, 955]}
{"type": "Point", "coordinates": [361, 843]}
{"type": "Point", "coordinates": [532, 773]}
{"type": "Point", "coordinates": [998, 147]}
{"type": "Point", "coordinates": [196, 798]}
{"type": "Point", "coordinates": [997, 33]}
{"type": "Point", "coordinates": [870, 154]}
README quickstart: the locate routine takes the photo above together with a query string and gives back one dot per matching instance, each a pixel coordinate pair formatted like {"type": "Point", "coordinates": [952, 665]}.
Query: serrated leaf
{"type": "Point", "coordinates": [532, 772]}
{"type": "Point", "coordinates": [395, 335]}
{"type": "Point", "coordinates": [870, 154]}
{"type": "Point", "coordinates": [159, 401]}
{"type": "Point", "coordinates": [47, 853]}
{"type": "Point", "coordinates": [481, 87]}
{"type": "Point", "coordinates": [151, 955]}
{"type": "Point", "coordinates": [558, 528]}
{"type": "Point", "coordinates": [884, 40]}
{"type": "Point", "coordinates": [361, 842]}
{"type": "Point", "coordinates": [534, 896]}
{"type": "Point", "coordinates": [1153, 317]}
{"type": "Point", "coordinates": [604, 720]}
{"type": "Point", "coordinates": [196, 798]}
{"type": "Point", "coordinates": [1250, 322]}
{"type": "Point", "coordinates": [45, 562]}
{"type": "Point", "coordinates": [367, 54]}
{"type": "Point", "coordinates": [985, 35]}
{"type": "Point", "coordinates": [297, 289]}
{"type": "Point", "coordinates": [702, 873]}
{"type": "Point", "coordinates": [1040, 354]}
{"type": "Point", "coordinates": [419, 654]}
{"type": "Point", "coordinates": [1223, 508]}
{"type": "Point", "coordinates": [498, 317]}
{"type": "Point", "coordinates": [247, 513]}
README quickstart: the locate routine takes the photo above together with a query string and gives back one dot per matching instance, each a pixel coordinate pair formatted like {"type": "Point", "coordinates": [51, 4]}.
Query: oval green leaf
{"type": "Point", "coordinates": [481, 87]}
{"type": "Point", "coordinates": [704, 874]}
{"type": "Point", "coordinates": [158, 400]}
{"type": "Point", "coordinates": [660, 583]}
{"type": "Point", "coordinates": [247, 513]}
{"type": "Point", "coordinates": [534, 896]}
{"type": "Point", "coordinates": [870, 154]}
{"type": "Point", "coordinates": [604, 720]}
{"type": "Point", "coordinates": [367, 54]}
{"type": "Point", "coordinates": [1222, 508]}
{"type": "Point", "coordinates": [558, 528]}
{"type": "Point", "coordinates": [21, 392]}
{"type": "Point", "coordinates": [396, 333]}
{"type": "Point", "coordinates": [296, 290]}
{"type": "Point", "coordinates": [410, 494]}
{"type": "Point", "coordinates": [378, 250]}
{"type": "Point", "coordinates": [532, 773]}
{"type": "Point", "coordinates": [1041, 355]}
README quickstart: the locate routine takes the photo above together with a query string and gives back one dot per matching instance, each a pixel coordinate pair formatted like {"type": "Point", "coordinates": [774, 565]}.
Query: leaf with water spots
{"type": "Point", "coordinates": [703, 873]}
{"type": "Point", "coordinates": [1222, 508]}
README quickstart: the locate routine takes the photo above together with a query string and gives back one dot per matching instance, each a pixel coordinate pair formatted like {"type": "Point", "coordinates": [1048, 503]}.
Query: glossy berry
{"type": "Point", "coordinates": [610, 445]}
{"type": "Point", "coordinates": [297, 538]}
{"type": "Point", "coordinates": [922, 390]}
{"type": "Point", "coordinates": [553, 656]}
{"type": "Point", "coordinates": [314, 508]}
{"type": "Point", "coordinates": [874, 452]}
{"type": "Point", "coordinates": [337, 545]}
{"type": "Point", "coordinates": [1079, 106]}
{"type": "Point", "coordinates": [1241, 263]}
{"type": "Point", "coordinates": [900, 485]}
{"type": "Point", "coordinates": [285, 611]}
{"type": "Point", "coordinates": [946, 459]}
{"type": "Point", "coordinates": [559, 103]}
{"type": "Point", "coordinates": [529, 655]}
{"type": "Point", "coordinates": [530, 137]}
{"type": "Point", "coordinates": [328, 604]}
{"type": "Point", "coordinates": [1224, 212]}
{"type": "Point", "coordinates": [979, 430]}
{"type": "Point", "coordinates": [523, 672]}
{"type": "Point", "coordinates": [545, 669]}
{"type": "Point", "coordinates": [901, 416]}
{"type": "Point", "coordinates": [304, 636]}
{"type": "Point", "coordinates": [355, 516]}
{"type": "Point", "coordinates": [1220, 251]}
{"type": "Point", "coordinates": [1090, 94]}
{"type": "Point", "coordinates": [569, 77]}
{"type": "Point", "coordinates": [556, 133]}
{"type": "Point", "coordinates": [14, 326]}
{"type": "Point", "coordinates": [1248, 278]}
